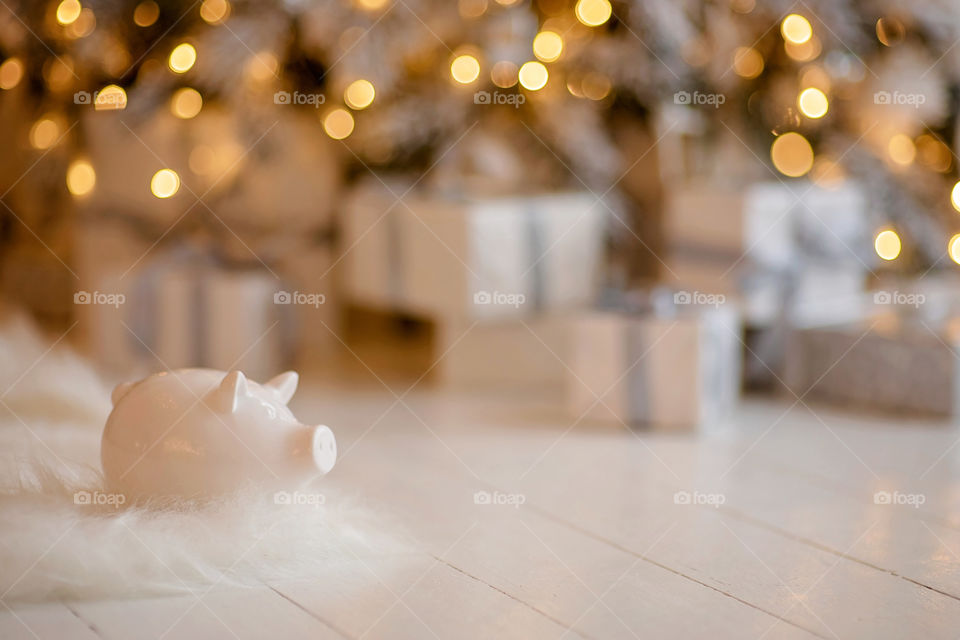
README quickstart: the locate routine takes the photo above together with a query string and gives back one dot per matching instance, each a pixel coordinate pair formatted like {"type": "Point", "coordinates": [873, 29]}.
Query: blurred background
{"type": "Point", "coordinates": [664, 202]}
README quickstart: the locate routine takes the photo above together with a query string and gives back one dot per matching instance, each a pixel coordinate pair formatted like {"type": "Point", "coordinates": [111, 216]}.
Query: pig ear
{"type": "Point", "coordinates": [285, 384]}
{"type": "Point", "coordinates": [119, 391]}
{"type": "Point", "coordinates": [227, 396]}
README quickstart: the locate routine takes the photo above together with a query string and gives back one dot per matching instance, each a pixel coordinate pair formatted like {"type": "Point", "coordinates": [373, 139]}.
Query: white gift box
{"type": "Point", "coordinates": [472, 258]}
{"type": "Point", "coordinates": [670, 372]}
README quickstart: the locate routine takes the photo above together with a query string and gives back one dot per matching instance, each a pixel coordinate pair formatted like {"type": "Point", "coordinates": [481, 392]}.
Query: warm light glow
{"type": "Point", "coordinates": [813, 103]}
{"type": "Point", "coordinates": [796, 29]}
{"type": "Point", "coordinates": [472, 8]}
{"type": "Point", "coordinates": [931, 152]}
{"type": "Point", "coordinates": [504, 74]}
{"type": "Point", "coordinates": [146, 13]}
{"type": "Point", "coordinates": [202, 160]}
{"type": "Point", "coordinates": [815, 76]}
{"type": "Point", "coordinates": [890, 31]}
{"type": "Point", "coordinates": [58, 73]}
{"type": "Point", "coordinates": [465, 69]}
{"type": "Point", "coordinates": [165, 183]}
{"type": "Point", "coordinates": [81, 178]}
{"type": "Point", "coordinates": [262, 67]}
{"type": "Point", "coordinates": [182, 57]}
{"type": "Point", "coordinates": [338, 124]}
{"type": "Point", "coordinates": [595, 86]}
{"type": "Point", "coordinates": [593, 13]}
{"type": "Point", "coordinates": [954, 248]}
{"type": "Point", "coordinates": [792, 155]}
{"type": "Point", "coordinates": [803, 52]}
{"type": "Point", "coordinates": [902, 150]}
{"type": "Point", "coordinates": [68, 11]}
{"type": "Point", "coordinates": [110, 98]}
{"type": "Point", "coordinates": [186, 103]}
{"type": "Point", "coordinates": [359, 94]}
{"type": "Point", "coordinates": [533, 76]}
{"type": "Point", "coordinates": [44, 133]}
{"type": "Point", "coordinates": [83, 26]}
{"type": "Point", "coordinates": [11, 72]}
{"type": "Point", "coordinates": [955, 196]}
{"type": "Point", "coordinates": [371, 5]}
{"type": "Point", "coordinates": [214, 11]}
{"type": "Point", "coordinates": [887, 244]}
{"type": "Point", "coordinates": [747, 62]}
{"type": "Point", "coordinates": [547, 46]}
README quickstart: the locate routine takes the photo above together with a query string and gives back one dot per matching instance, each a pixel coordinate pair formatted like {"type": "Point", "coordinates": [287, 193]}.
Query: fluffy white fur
{"type": "Point", "coordinates": [52, 409]}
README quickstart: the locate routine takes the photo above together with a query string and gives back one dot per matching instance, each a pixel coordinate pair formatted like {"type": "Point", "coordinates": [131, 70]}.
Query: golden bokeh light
{"type": "Point", "coordinates": [338, 123]}
{"type": "Point", "coordinates": [68, 11]}
{"type": "Point", "coordinates": [110, 98]}
{"type": "Point", "coordinates": [796, 29]}
{"type": "Point", "coordinates": [887, 244]}
{"type": "Point", "coordinates": [45, 132]}
{"type": "Point", "coordinates": [533, 76]}
{"type": "Point", "coordinates": [58, 73]}
{"type": "Point", "coordinates": [593, 13]}
{"type": "Point", "coordinates": [504, 74]}
{"type": "Point", "coordinates": [792, 155]}
{"type": "Point", "coordinates": [214, 11]}
{"type": "Point", "coordinates": [182, 58]}
{"type": "Point", "coordinates": [359, 94]}
{"type": "Point", "coordinates": [371, 5]}
{"type": "Point", "coordinates": [547, 46]}
{"type": "Point", "coordinates": [813, 103]}
{"type": "Point", "coordinates": [83, 25]}
{"type": "Point", "coordinates": [472, 8]}
{"type": "Point", "coordinates": [146, 13]}
{"type": "Point", "coordinates": [815, 76]}
{"type": "Point", "coordinates": [954, 248]}
{"type": "Point", "coordinates": [747, 62]}
{"type": "Point", "coordinates": [803, 52]}
{"type": "Point", "coordinates": [81, 178]}
{"type": "Point", "coordinates": [186, 103]}
{"type": "Point", "coordinates": [890, 31]}
{"type": "Point", "coordinates": [955, 196]}
{"type": "Point", "coordinates": [165, 183]}
{"type": "Point", "coordinates": [465, 69]}
{"type": "Point", "coordinates": [11, 72]}
{"type": "Point", "coordinates": [261, 67]}
{"type": "Point", "coordinates": [595, 86]}
{"type": "Point", "coordinates": [931, 152]}
{"type": "Point", "coordinates": [902, 150]}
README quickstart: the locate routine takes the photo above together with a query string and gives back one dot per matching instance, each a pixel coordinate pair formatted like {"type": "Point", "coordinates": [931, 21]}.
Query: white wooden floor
{"type": "Point", "coordinates": [599, 548]}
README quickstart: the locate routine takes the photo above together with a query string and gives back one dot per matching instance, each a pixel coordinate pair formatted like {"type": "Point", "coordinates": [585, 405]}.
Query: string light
{"type": "Point", "coordinates": [747, 62]}
{"type": "Point", "coordinates": [81, 178]}
{"type": "Point", "coordinates": [146, 13]}
{"type": "Point", "coordinates": [887, 244]}
{"type": "Point", "coordinates": [465, 69]}
{"type": "Point", "coordinates": [902, 150]}
{"type": "Point", "coordinates": [182, 58]}
{"type": "Point", "coordinates": [796, 29]}
{"type": "Point", "coordinates": [165, 183]}
{"type": "Point", "coordinates": [214, 11]}
{"type": "Point", "coordinates": [792, 155]}
{"type": "Point", "coordinates": [813, 103]}
{"type": "Point", "coordinates": [593, 13]}
{"type": "Point", "coordinates": [533, 76]}
{"type": "Point", "coordinates": [11, 72]}
{"type": "Point", "coordinates": [547, 46]}
{"type": "Point", "coordinates": [359, 94]}
{"type": "Point", "coordinates": [186, 103]}
{"type": "Point", "coordinates": [954, 248]}
{"type": "Point", "coordinates": [110, 98]}
{"type": "Point", "coordinates": [45, 132]}
{"type": "Point", "coordinates": [68, 11]}
{"type": "Point", "coordinates": [338, 123]}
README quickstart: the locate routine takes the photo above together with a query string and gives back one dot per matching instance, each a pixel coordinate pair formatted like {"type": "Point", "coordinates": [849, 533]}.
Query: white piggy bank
{"type": "Point", "coordinates": [200, 432]}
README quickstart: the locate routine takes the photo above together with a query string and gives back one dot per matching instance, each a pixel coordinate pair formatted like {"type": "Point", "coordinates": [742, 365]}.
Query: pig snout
{"type": "Point", "coordinates": [324, 448]}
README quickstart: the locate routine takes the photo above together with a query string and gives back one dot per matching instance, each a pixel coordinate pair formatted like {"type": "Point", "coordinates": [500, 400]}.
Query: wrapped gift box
{"type": "Point", "coordinates": [889, 363]}
{"type": "Point", "coordinates": [672, 372]}
{"type": "Point", "coordinates": [503, 353]}
{"type": "Point", "coordinates": [472, 258]}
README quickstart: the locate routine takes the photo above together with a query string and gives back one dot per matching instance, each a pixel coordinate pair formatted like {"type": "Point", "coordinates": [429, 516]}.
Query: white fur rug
{"type": "Point", "coordinates": [52, 409]}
